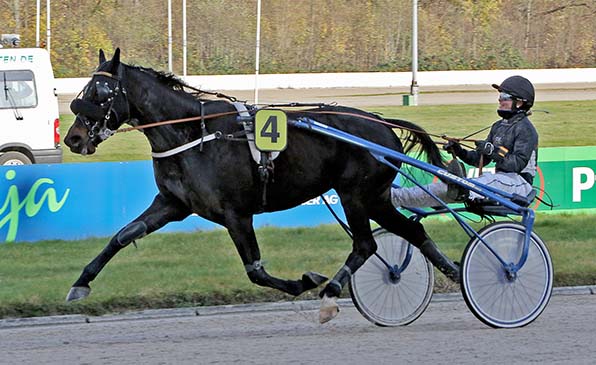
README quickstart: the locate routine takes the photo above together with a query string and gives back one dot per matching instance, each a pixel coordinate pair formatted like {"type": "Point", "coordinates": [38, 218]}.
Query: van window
{"type": "Point", "coordinates": [17, 89]}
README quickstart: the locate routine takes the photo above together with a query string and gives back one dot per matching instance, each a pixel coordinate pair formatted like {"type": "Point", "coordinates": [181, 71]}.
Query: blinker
{"type": "Point", "coordinates": [86, 108]}
{"type": "Point", "coordinates": [102, 92]}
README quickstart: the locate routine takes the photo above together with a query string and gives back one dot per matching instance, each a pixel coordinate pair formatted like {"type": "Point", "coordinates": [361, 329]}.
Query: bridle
{"type": "Point", "coordinates": [106, 93]}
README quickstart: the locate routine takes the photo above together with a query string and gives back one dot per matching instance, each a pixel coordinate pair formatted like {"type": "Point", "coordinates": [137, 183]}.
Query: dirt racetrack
{"type": "Point", "coordinates": [446, 333]}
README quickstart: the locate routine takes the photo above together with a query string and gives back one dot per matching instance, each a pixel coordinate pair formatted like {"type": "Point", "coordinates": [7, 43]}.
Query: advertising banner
{"type": "Point", "coordinates": [75, 201]}
{"type": "Point", "coordinates": [569, 176]}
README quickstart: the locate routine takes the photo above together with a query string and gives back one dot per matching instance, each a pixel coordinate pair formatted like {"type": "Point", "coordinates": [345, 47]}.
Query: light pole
{"type": "Point", "coordinates": [48, 30]}
{"type": "Point", "coordinates": [37, 13]}
{"type": "Point", "coordinates": [257, 50]}
{"type": "Point", "coordinates": [414, 86]}
{"type": "Point", "coordinates": [183, 37]}
{"type": "Point", "coordinates": [170, 35]}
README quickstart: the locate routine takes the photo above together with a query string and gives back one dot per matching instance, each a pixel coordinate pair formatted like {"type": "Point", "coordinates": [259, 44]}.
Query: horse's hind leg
{"type": "Point", "coordinates": [363, 246]}
{"type": "Point", "coordinates": [389, 218]}
{"type": "Point", "coordinates": [156, 216]}
{"type": "Point", "coordinates": [242, 233]}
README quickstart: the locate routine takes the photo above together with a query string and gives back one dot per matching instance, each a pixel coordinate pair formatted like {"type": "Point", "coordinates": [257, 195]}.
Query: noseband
{"type": "Point", "coordinates": [96, 117]}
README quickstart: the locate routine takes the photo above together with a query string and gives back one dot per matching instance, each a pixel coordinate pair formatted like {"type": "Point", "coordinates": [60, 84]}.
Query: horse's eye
{"type": "Point", "coordinates": [102, 92]}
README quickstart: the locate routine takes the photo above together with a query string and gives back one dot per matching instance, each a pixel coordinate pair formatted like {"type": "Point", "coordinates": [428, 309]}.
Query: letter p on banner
{"type": "Point", "coordinates": [579, 173]}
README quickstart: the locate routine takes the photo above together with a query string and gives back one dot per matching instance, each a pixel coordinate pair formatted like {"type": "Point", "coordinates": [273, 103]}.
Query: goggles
{"type": "Point", "coordinates": [504, 96]}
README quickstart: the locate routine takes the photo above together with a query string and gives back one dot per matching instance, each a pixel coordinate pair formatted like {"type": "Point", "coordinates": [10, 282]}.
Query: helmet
{"type": "Point", "coordinates": [520, 88]}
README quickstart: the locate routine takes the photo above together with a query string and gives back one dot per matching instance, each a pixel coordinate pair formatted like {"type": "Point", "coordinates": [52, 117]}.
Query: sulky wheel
{"type": "Point", "coordinates": [385, 291]}
{"type": "Point", "coordinates": [498, 296]}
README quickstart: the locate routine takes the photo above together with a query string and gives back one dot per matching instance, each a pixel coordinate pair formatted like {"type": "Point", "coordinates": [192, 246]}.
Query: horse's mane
{"type": "Point", "coordinates": [172, 81]}
{"type": "Point", "coordinates": [166, 78]}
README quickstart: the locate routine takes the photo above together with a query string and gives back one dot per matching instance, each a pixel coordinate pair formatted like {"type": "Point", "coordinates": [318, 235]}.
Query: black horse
{"type": "Point", "coordinates": [218, 179]}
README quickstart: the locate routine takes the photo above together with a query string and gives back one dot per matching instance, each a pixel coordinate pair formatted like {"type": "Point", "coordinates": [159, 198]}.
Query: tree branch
{"type": "Point", "coordinates": [563, 7]}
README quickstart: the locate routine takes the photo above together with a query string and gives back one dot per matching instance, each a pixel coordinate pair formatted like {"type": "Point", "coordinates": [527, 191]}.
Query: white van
{"type": "Point", "coordinates": [29, 119]}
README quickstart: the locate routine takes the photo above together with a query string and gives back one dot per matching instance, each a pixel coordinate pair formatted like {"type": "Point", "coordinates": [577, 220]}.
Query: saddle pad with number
{"type": "Point", "coordinates": [249, 128]}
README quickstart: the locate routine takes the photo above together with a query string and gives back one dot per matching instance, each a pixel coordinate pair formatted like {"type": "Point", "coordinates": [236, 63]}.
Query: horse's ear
{"type": "Point", "coordinates": [115, 62]}
{"type": "Point", "coordinates": [102, 57]}
{"type": "Point", "coordinates": [116, 58]}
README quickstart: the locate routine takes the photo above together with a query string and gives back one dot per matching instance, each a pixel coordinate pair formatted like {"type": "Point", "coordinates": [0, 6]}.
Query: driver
{"type": "Point", "coordinates": [512, 143]}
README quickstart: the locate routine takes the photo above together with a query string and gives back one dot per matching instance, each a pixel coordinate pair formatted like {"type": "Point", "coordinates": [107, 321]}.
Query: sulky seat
{"type": "Point", "coordinates": [490, 207]}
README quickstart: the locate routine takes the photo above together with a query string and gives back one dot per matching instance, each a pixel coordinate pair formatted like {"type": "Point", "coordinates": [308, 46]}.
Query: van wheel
{"type": "Point", "coordinates": [14, 158]}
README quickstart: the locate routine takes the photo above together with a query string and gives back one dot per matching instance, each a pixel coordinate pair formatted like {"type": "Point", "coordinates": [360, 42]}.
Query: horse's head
{"type": "Point", "coordinates": [101, 109]}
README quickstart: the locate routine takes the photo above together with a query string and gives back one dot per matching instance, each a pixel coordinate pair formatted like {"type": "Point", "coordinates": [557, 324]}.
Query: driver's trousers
{"type": "Point", "coordinates": [415, 197]}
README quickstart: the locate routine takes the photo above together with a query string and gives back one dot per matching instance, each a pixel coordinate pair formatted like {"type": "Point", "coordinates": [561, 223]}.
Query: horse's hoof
{"type": "Point", "coordinates": [312, 280]}
{"type": "Point", "coordinates": [329, 309]}
{"type": "Point", "coordinates": [77, 293]}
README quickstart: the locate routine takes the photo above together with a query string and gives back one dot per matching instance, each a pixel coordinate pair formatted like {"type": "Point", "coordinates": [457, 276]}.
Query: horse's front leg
{"type": "Point", "coordinates": [161, 212]}
{"type": "Point", "coordinates": [242, 233]}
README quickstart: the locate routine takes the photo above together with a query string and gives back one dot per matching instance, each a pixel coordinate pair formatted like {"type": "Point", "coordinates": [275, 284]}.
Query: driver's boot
{"type": "Point", "coordinates": [430, 250]}
{"type": "Point", "coordinates": [456, 192]}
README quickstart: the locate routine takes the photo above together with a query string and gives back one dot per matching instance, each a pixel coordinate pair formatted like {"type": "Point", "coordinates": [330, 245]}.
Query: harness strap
{"type": "Point", "coordinates": [187, 146]}
{"type": "Point", "coordinates": [203, 127]}
{"type": "Point", "coordinates": [104, 73]}
{"type": "Point", "coordinates": [263, 159]}
{"type": "Point", "coordinates": [249, 128]}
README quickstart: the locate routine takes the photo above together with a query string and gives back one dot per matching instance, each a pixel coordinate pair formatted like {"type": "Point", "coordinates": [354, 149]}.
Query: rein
{"type": "Point", "coordinates": [175, 121]}
{"type": "Point", "coordinates": [203, 117]}
{"type": "Point", "coordinates": [217, 115]}
{"type": "Point", "coordinates": [369, 118]}
{"type": "Point", "coordinates": [235, 112]}
{"type": "Point", "coordinates": [442, 136]}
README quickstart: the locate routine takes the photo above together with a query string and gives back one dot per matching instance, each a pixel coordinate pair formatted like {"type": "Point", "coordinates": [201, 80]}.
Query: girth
{"type": "Point", "coordinates": [263, 159]}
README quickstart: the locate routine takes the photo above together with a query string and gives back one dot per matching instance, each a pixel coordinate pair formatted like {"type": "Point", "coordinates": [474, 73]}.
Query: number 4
{"type": "Point", "coordinates": [271, 127]}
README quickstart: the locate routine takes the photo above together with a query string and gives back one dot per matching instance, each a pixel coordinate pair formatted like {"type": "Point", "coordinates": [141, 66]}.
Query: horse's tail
{"type": "Point", "coordinates": [414, 135]}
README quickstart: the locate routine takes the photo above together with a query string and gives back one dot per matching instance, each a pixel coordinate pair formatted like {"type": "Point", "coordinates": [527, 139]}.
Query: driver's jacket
{"type": "Point", "coordinates": [520, 139]}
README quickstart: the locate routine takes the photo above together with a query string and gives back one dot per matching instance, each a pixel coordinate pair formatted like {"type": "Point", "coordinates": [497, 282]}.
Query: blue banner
{"type": "Point", "coordinates": [76, 201]}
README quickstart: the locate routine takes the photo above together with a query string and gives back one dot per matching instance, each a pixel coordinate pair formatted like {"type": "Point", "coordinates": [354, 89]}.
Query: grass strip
{"type": "Point", "coordinates": [203, 268]}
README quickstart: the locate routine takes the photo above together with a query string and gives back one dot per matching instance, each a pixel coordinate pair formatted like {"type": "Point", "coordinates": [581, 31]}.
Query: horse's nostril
{"type": "Point", "coordinates": [72, 141]}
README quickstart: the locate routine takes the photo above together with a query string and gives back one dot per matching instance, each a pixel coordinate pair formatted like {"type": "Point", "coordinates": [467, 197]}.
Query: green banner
{"type": "Point", "coordinates": [568, 176]}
